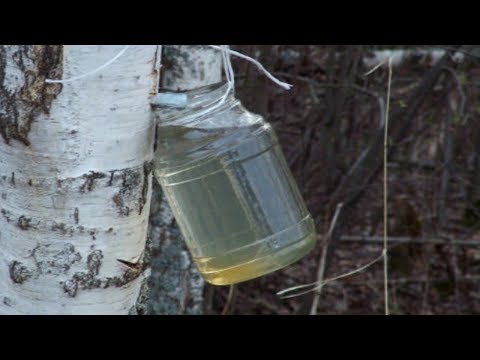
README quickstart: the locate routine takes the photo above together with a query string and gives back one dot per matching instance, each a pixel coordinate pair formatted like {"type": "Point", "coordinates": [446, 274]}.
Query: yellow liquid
{"type": "Point", "coordinates": [235, 201]}
{"type": "Point", "coordinates": [215, 272]}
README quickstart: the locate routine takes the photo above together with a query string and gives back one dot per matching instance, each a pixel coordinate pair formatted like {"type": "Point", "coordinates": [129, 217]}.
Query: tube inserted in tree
{"type": "Point", "coordinates": [229, 187]}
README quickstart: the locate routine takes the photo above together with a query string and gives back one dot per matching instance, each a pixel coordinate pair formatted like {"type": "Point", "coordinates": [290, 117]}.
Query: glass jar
{"type": "Point", "coordinates": [230, 189]}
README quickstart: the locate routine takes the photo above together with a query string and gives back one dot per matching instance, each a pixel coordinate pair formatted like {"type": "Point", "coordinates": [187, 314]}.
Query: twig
{"type": "Point", "coordinates": [385, 190]}
{"type": "Point", "coordinates": [449, 145]}
{"type": "Point", "coordinates": [321, 265]}
{"type": "Point", "coordinates": [463, 98]}
{"type": "Point", "coordinates": [409, 240]}
{"type": "Point", "coordinates": [315, 285]}
{"type": "Point", "coordinates": [231, 292]}
{"type": "Point", "coordinates": [208, 302]}
{"type": "Point", "coordinates": [385, 183]}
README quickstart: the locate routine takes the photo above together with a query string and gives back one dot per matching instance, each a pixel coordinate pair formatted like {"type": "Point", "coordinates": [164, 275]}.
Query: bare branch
{"type": "Point", "coordinates": [408, 240]}
{"type": "Point", "coordinates": [321, 265]}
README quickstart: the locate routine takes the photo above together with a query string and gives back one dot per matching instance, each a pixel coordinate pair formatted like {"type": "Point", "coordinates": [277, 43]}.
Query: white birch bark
{"type": "Point", "coordinates": [75, 177]}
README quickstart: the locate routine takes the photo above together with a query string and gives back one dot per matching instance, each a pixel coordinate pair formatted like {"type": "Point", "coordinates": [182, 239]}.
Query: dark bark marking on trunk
{"type": "Point", "coordinates": [88, 280]}
{"type": "Point", "coordinates": [90, 181]}
{"type": "Point", "coordinates": [85, 280]}
{"type": "Point", "coordinates": [147, 169]}
{"type": "Point", "coordinates": [7, 301]}
{"type": "Point", "coordinates": [118, 201]}
{"type": "Point", "coordinates": [94, 261]}
{"type": "Point", "coordinates": [55, 260]}
{"type": "Point", "coordinates": [131, 193]}
{"type": "Point", "coordinates": [19, 273]}
{"type": "Point", "coordinates": [76, 215]}
{"type": "Point", "coordinates": [21, 106]}
{"type": "Point", "coordinates": [62, 228]}
{"type": "Point", "coordinates": [6, 214]}
{"type": "Point", "coordinates": [24, 222]}
{"type": "Point", "coordinates": [110, 182]}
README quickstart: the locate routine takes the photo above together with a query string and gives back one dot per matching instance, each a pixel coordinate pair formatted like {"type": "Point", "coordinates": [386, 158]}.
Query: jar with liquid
{"type": "Point", "coordinates": [229, 187]}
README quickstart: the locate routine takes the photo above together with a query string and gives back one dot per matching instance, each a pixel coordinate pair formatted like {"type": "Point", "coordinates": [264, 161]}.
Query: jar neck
{"type": "Point", "coordinates": [193, 105]}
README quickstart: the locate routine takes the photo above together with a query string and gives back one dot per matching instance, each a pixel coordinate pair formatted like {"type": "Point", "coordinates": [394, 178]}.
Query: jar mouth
{"type": "Point", "coordinates": [190, 99]}
{"type": "Point", "coordinates": [191, 106]}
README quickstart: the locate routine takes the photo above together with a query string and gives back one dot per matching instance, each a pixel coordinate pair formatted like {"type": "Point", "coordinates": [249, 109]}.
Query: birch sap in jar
{"type": "Point", "coordinates": [229, 187]}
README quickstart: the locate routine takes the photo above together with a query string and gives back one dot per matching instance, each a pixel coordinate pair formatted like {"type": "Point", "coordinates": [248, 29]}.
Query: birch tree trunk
{"type": "Point", "coordinates": [75, 177]}
{"type": "Point", "coordinates": [175, 285]}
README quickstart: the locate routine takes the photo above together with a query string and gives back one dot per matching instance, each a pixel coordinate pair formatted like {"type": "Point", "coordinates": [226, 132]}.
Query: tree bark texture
{"type": "Point", "coordinates": [75, 177]}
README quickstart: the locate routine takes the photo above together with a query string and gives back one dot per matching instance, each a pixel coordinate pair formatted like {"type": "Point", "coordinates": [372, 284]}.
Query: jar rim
{"type": "Point", "coordinates": [193, 105]}
{"type": "Point", "coordinates": [192, 98]}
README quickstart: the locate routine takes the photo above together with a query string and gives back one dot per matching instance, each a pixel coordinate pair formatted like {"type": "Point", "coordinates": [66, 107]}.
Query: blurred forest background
{"type": "Point", "coordinates": [330, 127]}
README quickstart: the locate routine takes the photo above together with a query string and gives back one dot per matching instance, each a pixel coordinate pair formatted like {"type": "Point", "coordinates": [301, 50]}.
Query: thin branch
{"type": "Point", "coordinates": [409, 240]}
{"type": "Point", "coordinates": [321, 265]}
{"type": "Point", "coordinates": [463, 98]}
{"type": "Point", "coordinates": [385, 190]}
{"type": "Point", "coordinates": [385, 183]}
{"type": "Point", "coordinates": [228, 304]}
{"type": "Point", "coordinates": [314, 286]}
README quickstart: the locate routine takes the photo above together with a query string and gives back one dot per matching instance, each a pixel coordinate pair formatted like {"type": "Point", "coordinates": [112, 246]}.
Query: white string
{"type": "Point", "coordinates": [230, 75]}
{"type": "Point", "coordinates": [282, 84]}
{"type": "Point", "coordinates": [228, 62]}
{"type": "Point", "coordinates": [317, 285]}
{"type": "Point", "coordinates": [111, 61]}
{"type": "Point", "coordinates": [226, 52]}
{"type": "Point", "coordinates": [228, 69]}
